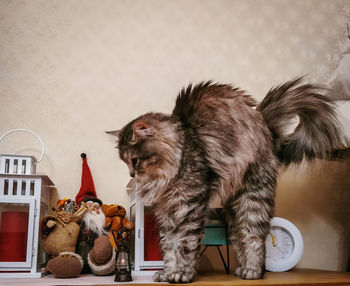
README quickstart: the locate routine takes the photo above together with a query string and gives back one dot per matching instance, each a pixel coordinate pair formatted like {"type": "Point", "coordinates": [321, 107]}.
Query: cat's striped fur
{"type": "Point", "coordinates": [216, 141]}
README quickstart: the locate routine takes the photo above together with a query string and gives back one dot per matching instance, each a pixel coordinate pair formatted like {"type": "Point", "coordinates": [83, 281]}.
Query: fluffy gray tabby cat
{"type": "Point", "coordinates": [216, 141]}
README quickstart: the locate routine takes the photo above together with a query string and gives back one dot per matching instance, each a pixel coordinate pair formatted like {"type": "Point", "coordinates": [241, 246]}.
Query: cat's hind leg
{"type": "Point", "coordinates": [252, 210]}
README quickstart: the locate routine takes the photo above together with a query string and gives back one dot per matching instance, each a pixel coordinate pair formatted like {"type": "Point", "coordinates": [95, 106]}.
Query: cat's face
{"type": "Point", "coordinates": [150, 147]}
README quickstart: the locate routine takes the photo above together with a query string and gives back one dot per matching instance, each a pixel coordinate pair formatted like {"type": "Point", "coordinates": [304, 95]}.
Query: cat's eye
{"type": "Point", "coordinates": [134, 161]}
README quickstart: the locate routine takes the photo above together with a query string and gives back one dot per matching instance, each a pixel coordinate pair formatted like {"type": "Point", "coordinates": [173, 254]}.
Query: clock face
{"type": "Point", "coordinates": [284, 245]}
{"type": "Point", "coordinates": [280, 244]}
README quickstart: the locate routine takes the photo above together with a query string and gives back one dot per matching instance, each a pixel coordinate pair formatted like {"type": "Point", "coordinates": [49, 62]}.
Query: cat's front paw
{"type": "Point", "coordinates": [160, 276]}
{"type": "Point", "coordinates": [180, 277]}
{"type": "Point", "coordinates": [251, 274]}
{"type": "Point", "coordinates": [238, 271]}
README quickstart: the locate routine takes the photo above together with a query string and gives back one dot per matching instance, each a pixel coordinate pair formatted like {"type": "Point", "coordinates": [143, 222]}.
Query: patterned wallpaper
{"type": "Point", "coordinates": [69, 70]}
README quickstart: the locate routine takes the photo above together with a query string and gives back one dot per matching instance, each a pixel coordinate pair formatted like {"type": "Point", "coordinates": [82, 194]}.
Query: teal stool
{"type": "Point", "coordinates": [215, 234]}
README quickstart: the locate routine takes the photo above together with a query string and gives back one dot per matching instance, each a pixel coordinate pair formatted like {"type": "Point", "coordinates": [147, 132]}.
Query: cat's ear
{"type": "Point", "coordinates": [141, 130]}
{"type": "Point", "coordinates": [113, 132]}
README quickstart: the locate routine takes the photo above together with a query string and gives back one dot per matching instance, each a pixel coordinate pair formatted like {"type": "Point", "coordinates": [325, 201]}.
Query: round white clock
{"type": "Point", "coordinates": [284, 245]}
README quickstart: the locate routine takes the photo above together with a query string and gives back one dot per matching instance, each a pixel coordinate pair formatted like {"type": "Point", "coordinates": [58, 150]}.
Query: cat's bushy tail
{"type": "Point", "coordinates": [316, 135]}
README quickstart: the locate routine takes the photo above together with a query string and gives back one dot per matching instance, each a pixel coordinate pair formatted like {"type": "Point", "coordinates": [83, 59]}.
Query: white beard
{"type": "Point", "coordinates": [95, 222]}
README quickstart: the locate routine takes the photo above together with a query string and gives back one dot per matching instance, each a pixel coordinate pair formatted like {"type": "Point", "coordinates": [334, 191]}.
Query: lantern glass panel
{"type": "Point", "coordinates": [14, 219]}
{"type": "Point", "coordinates": [152, 249]}
{"type": "Point", "coordinates": [123, 260]}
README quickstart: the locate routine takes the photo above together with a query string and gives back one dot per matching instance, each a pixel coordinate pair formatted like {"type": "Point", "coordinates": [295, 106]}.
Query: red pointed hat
{"type": "Point", "coordinates": [87, 188]}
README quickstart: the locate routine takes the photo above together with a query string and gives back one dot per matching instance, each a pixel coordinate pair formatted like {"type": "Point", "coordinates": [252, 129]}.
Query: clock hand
{"type": "Point", "coordinates": [273, 239]}
{"type": "Point", "coordinates": [280, 250]}
{"type": "Point", "coordinates": [274, 243]}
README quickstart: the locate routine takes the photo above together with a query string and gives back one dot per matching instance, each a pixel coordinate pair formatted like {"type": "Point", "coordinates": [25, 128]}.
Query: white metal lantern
{"type": "Point", "coordinates": [24, 201]}
{"type": "Point", "coordinates": [147, 254]}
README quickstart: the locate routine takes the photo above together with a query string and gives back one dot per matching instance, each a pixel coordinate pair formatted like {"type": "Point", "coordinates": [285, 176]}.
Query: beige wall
{"type": "Point", "coordinates": [69, 70]}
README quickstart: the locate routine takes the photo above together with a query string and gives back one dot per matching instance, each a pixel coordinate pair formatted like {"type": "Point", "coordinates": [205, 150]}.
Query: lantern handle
{"type": "Point", "coordinates": [31, 132]}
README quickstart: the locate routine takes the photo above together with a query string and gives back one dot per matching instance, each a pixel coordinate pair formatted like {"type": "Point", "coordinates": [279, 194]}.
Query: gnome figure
{"type": "Point", "coordinates": [93, 243]}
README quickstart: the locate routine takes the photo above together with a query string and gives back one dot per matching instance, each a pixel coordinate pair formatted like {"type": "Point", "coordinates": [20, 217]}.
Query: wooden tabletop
{"type": "Point", "coordinates": [293, 277]}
